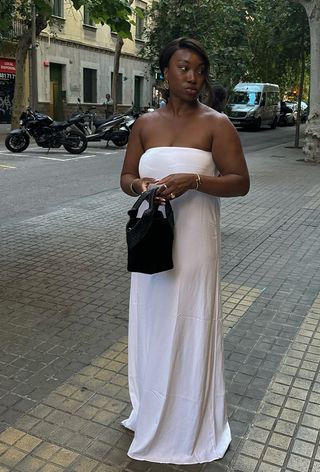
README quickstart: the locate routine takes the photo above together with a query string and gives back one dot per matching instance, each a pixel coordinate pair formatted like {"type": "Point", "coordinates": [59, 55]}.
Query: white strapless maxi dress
{"type": "Point", "coordinates": [176, 381]}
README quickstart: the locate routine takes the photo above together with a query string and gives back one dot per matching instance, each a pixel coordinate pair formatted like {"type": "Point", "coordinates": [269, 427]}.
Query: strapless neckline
{"type": "Point", "coordinates": [176, 147]}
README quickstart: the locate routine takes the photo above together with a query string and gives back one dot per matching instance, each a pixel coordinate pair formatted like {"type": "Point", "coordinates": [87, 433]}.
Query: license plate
{"type": "Point", "coordinates": [236, 123]}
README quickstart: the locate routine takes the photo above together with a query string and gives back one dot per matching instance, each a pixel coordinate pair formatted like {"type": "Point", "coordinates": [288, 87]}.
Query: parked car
{"type": "Point", "coordinates": [303, 113]}
{"type": "Point", "coordinates": [254, 104]}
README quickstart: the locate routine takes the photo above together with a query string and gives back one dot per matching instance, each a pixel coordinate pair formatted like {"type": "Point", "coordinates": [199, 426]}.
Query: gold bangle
{"type": "Point", "coordinates": [133, 190]}
{"type": "Point", "coordinates": [198, 181]}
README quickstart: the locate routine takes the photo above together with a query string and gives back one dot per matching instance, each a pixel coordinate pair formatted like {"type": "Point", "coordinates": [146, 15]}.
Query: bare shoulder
{"type": "Point", "coordinates": [214, 116]}
{"type": "Point", "coordinates": [149, 117]}
{"type": "Point", "coordinates": [217, 125]}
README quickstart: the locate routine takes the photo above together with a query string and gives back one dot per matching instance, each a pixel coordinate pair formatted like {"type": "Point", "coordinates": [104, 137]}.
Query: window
{"type": "Point", "coordinates": [139, 27]}
{"type": "Point", "coordinates": [86, 17]}
{"type": "Point", "coordinates": [119, 87]}
{"type": "Point", "coordinates": [273, 98]}
{"type": "Point", "coordinates": [89, 85]}
{"type": "Point", "coordinates": [57, 8]}
{"type": "Point", "coordinates": [141, 6]}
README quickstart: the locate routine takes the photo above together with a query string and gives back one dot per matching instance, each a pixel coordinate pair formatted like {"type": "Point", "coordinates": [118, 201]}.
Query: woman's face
{"type": "Point", "coordinates": [185, 74]}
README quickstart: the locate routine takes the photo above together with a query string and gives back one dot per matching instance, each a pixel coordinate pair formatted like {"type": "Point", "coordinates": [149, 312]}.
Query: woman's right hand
{"type": "Point", "coordinates": [141, 185]}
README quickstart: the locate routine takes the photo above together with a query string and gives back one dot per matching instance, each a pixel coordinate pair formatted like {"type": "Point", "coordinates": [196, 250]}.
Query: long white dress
{"type": "Point", "coordinates": [176, 381]}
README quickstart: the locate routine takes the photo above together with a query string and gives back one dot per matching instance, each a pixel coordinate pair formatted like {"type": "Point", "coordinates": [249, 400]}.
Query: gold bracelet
{"type": "Point", "coordinates": [133, 190]}
{"type": "Point", "coordinates": [198, 181]}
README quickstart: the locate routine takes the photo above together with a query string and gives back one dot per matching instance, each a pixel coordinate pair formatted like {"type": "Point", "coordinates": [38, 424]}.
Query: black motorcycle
{"type": "Point", "coordinates": [47, 133]}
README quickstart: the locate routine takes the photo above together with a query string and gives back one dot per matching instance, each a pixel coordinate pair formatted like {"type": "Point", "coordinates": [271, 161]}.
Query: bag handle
{"type": "Point", "coordinates": [149, 196]}
{"type": "Point", "coordinates": [144, 196]}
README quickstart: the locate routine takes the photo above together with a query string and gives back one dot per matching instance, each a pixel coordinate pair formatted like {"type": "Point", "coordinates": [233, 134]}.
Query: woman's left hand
{"type": "Point", "coordinates": [174, 185]}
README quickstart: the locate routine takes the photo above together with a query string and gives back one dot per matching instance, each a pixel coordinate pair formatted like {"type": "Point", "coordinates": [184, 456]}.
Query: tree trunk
{"type": "Point", "coordinates": [312, 132]}
{"type": "Point", "coordinates": [116, 64]}
{"type": "Point", "coordinates": [19, 87]}
{"type": "Point", "coordinates": [23, 45]}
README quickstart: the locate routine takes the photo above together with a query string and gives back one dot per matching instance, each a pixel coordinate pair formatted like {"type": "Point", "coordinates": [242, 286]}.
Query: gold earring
{"type": "Point", "coordinates": [166, 84]}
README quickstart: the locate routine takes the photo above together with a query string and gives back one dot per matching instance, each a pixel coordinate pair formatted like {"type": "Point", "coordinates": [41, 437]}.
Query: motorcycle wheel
{"type": "Point", "coordinates": [120, 141]}
{"type": "Point", "coordinates": [78, 143]}
{"type": "Point", "coordinates": [17, 142]}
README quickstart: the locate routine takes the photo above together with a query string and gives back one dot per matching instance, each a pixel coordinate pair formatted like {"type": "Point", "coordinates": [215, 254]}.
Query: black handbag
{"type": "Point", "coordinates": [150, 238]}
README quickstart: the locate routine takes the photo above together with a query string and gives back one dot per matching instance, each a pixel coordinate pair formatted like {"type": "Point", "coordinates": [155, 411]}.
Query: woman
{"type": "Point", "coordinates": [175, 329]}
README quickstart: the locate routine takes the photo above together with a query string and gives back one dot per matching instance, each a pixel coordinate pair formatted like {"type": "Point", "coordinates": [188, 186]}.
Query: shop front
{"type": "Point", "coordinates": [7, 78]}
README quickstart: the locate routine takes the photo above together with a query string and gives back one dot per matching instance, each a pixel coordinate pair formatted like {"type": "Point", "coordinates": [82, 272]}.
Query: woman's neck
{"type": "Point", "coordinates": [181, 108]}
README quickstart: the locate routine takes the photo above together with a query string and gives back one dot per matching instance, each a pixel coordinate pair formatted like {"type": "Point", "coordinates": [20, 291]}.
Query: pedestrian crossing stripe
{"type": "Point", "coordinates": [3, 166]}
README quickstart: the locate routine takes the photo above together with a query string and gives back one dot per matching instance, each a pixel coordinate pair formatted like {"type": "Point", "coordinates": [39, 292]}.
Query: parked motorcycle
{"type": "Point", "coordinates": [287, 116]}
{"type": "Point", "coordinates": [97, 128]}
{"type": "Point", "coordinates": [47, 133]}
{"type": "Point", "coordinates": [112, 129]}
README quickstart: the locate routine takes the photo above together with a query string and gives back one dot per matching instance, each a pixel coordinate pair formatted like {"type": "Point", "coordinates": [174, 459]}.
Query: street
{"type": "Point", "coordinates": [35, 181]}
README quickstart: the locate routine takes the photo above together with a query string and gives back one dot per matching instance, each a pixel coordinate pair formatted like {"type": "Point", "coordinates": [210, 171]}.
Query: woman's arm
{"type": "Point", "coordinates": [229, 159]}
{"type": "Point", "coordinates": [228, 156]}
{"type": "Point", "coordinates": [130, 181]}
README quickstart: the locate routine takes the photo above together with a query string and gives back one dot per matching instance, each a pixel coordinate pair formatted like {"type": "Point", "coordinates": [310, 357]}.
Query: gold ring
{"type": "Point", "coordinates": [172, 196]}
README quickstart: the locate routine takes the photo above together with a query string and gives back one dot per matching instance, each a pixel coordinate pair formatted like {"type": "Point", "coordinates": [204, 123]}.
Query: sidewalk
{"type": "Point", "coordinates": [63, 322]}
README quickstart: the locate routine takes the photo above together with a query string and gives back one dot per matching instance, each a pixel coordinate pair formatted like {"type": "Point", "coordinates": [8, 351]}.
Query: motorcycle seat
{"type": "Point", "coordinates": [102, 121]}
{"type": "Point", "coordinates": [59, 124]}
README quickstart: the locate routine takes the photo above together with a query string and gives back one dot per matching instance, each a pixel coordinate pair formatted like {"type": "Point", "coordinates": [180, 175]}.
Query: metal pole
{"type": "Point", "coordinates": [34, 81]}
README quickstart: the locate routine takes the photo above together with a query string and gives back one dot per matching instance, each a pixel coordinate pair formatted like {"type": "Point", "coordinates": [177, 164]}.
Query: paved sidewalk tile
{"type": "Point", "coordinates": [63, 305]}
{"type": "Point", "coordinates": [81, 419]}
{"type": "Point", "coordinates": [285, 433]}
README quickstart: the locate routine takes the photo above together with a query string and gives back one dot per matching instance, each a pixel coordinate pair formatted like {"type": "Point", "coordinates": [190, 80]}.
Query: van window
{"type": "Point", "coordinates": [245, 98]}
{"type": "Point", "coordinates": [269, 98]}
{"type": "Point", "coordinates": [273, 98]}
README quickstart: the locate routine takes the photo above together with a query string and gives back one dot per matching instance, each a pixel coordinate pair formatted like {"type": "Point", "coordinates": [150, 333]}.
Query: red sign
{"type": "Point", "coordinates": [7, 66]}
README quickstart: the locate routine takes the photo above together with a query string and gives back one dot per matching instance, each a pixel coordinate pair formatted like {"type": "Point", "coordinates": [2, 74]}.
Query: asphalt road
{"type": "Point", "coordinates": [36, 182]}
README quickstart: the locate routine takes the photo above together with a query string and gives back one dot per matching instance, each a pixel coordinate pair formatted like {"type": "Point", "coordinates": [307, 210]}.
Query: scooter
{"type": "Point", "coordinates": [104, 129]}
{"type": "Point", "coordinates": [111, 130]}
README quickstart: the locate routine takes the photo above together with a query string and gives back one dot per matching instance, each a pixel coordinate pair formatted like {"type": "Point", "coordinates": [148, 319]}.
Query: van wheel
{"type": "Point", "coordinates": [274, 123]}
{"type": "Point", "coordinates": [257, 125]}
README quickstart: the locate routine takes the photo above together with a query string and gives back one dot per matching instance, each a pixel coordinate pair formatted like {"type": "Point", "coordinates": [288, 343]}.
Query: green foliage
{"type": "Point", "coordinates": [274, 38]}
{"type": "Point", "coordinates": [115, 13]}
{"type": "Point", "coordinates": [6, 15]}
{"type": "Point", "coordinates": [256, 40]}
{"type": "Point", "coordinates": [219, 25]}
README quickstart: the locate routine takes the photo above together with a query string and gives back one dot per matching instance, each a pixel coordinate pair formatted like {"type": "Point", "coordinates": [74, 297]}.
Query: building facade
{"type": "Point", "coordinates": [75, 64]}
{"type": "Point", "coordinates": [75, 60]}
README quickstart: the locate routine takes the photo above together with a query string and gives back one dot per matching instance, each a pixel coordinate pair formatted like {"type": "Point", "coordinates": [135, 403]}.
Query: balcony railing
{"type": "Point", "coordinates": [17, 29]}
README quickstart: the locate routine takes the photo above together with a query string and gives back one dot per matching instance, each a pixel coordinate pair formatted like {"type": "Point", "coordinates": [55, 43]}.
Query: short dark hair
{"type": "Point", "coordinates": [185, 43]}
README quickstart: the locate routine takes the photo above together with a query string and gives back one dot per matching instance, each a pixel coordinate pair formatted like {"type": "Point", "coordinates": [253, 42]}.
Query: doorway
{"type": "Point", "coordinates": [138, 83]}
{"type": "Point", "coordinates": [56, 105]}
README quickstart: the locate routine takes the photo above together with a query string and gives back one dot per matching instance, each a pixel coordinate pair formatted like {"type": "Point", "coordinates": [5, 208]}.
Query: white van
{"type": "Point", "coordinates": [254, 104]}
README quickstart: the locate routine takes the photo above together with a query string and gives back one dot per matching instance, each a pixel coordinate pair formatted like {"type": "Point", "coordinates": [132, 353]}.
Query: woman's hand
{"type": "Point", "coordinates": [141, 185]}
{"type": "Point", "coordinates": [174, 185]}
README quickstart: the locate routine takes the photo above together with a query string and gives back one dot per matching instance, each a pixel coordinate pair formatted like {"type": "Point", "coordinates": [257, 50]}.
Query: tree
{"type": "Point", "coordinates": [312, 132]}
{"type": "Point", "coordinates": [247, 40]}
{"type": "Point", "coordinates": [116, 65]}
{"type": "Point", "coordinates": [274, 40]}
{"type": "Point", "coordinates": [115, 13]}
{"type": "Point", "coordinates": [218, 24]}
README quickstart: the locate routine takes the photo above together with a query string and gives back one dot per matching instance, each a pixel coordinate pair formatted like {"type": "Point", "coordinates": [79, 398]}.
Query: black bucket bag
{"type": "Point", "coordinates": [150, 238]}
